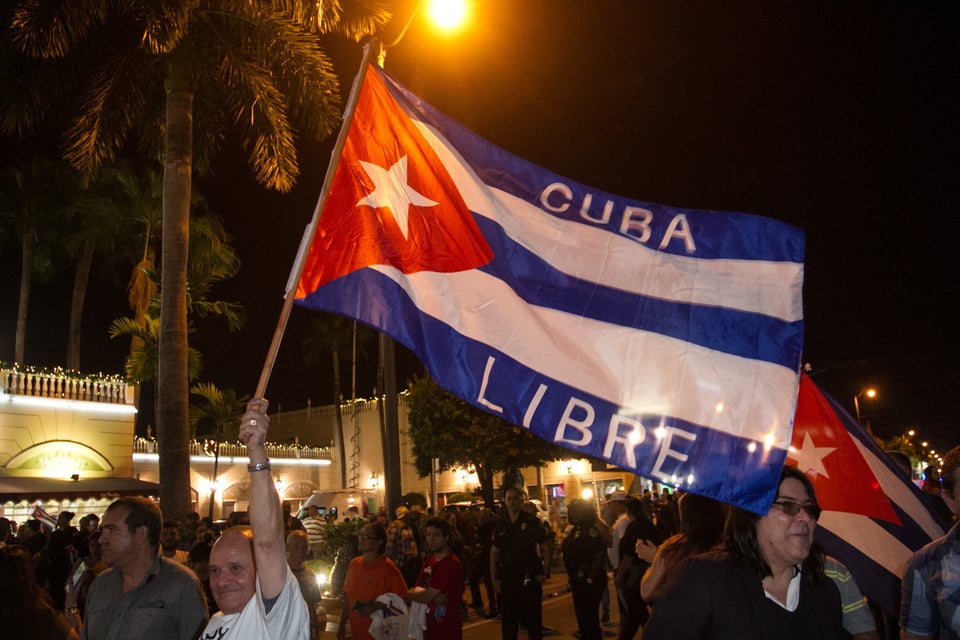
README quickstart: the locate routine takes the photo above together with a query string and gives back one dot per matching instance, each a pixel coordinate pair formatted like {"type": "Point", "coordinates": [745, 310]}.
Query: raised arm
{"type": "Point", "coordinates": [266, 521]}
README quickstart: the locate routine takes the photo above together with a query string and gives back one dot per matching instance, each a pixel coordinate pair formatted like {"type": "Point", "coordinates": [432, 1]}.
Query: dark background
{"type": "Point", "coordinates": [837, 117]}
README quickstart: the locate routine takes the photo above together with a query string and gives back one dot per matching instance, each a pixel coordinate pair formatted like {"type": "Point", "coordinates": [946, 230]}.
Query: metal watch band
{"type": "Point", "coordinates": [260, 466]}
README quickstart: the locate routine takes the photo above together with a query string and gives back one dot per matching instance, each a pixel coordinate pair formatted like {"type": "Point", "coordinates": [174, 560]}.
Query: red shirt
{"type": "Point", "coordinates": [366, 582]}
{"type": "Point", "coordinates": [446, 575]}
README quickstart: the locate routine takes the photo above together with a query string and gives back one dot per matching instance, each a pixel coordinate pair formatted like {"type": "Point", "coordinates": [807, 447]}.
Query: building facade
{"type": "Point", "coordinates": [69, 443]}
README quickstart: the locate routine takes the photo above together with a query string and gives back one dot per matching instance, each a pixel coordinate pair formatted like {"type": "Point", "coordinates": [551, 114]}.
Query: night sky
{"type": "Point", "coordinates": [836, 117]}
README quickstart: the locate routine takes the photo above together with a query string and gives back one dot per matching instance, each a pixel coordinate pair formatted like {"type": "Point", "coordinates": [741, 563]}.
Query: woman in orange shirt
{"type": "Point", "coordinates": [369, 576]}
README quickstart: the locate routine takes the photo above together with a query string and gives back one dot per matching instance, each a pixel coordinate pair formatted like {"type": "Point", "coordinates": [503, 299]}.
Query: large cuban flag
{"type": "Point", "coordinates": [666, 341]}
{"type": "Point", "coordinates": [873, 516]}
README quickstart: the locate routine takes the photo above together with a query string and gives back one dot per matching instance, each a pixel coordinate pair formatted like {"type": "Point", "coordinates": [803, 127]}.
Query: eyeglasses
{"type": "Point", "coordinates": [792, 508]}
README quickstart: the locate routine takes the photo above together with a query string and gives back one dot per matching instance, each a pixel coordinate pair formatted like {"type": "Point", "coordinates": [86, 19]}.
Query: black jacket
{"type": "Point", "coordinates": [713, 596]}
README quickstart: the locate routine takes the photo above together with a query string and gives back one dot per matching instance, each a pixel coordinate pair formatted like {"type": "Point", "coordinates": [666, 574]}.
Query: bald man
{"type": "Point", "coordinates": [258, 595]}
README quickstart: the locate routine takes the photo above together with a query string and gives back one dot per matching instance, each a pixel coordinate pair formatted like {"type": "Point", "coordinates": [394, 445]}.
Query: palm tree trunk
{"type": "Point", "coordinates": [172, 381]}
{"type": "Point", "coordinates": [81, 278]}
{"type": "Point", "coordinates": [26, 271]}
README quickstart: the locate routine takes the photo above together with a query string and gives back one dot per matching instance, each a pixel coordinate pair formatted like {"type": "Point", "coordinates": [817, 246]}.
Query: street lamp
{"type": "Point", "coordinates": [870, 392]}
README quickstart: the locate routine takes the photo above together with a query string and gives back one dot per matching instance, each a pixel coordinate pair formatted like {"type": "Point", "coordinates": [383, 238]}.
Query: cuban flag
{"type": "Point", "coordinates": [48, 521]}
{"type": "Point", "coordinates": [873, 517]}
{"type": "Point", "coordinates": [666, 341]}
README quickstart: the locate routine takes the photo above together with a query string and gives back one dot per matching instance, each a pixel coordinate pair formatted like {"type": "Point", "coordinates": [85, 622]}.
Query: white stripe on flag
{"type": "Point", "coordinates": [869, 538]}
{"type": "Point", "coordinates": [735, 395]}
{"type": "Point", "coordinates": [900, 493]}
{"type": "Point", "coordinates": [592, 253]}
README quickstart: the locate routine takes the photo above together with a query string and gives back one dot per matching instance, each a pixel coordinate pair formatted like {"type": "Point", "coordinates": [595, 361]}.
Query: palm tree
{"type": "Point", "coordinates": [141, 365]}
{"type": "Point", "coordinates": [33, 195]}
{"type": "Point", "coordinates": [102, 224]}
{"type": "Point", "coordinates": [140, 196]}
{"type": "Point", "coordinates": [212, 259]}
{"type": "Point", "coordinates": [219, 63]}
{"type": "Point", "coordinates": [222, 410]}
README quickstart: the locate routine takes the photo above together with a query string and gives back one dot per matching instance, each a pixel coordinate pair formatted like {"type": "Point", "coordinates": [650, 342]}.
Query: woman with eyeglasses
{"type": "Point", "coordinates": [765, 583]}
{"type": "Point", "coordinates": [369, 576]}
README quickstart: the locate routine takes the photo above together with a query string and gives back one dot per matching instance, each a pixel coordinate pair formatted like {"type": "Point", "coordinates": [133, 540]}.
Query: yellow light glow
{"type": "Point", "coordinates": [82, 406]}
{"type": "Point", "coordinates": [297, 462]}
{"type": "Point", "coordinates": [447, 14]}
{"type": "Point", "coordinates": [752, 447]}
{"type": "Point", "coordinates": [586, 493]}
{"type": "Point", "coordinates": [205, 486]}
{"type": "Point", "coordinates": [59, 459]}
{"type": "Point", "coordinates": [768, 442]}
{"type": "Point", "coordinates": [871, 393]}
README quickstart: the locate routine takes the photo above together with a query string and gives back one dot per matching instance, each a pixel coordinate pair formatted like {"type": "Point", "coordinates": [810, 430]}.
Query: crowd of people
{"type": "Point", "coordinates": [677, 566]}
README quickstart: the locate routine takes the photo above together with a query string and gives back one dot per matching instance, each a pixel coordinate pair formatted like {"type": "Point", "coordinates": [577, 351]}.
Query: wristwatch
{"type": "Point", "coordinates": [260, 466]}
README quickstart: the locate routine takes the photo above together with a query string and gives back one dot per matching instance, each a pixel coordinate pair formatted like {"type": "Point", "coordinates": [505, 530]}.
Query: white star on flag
{"type": "Point", "coordinates": [392, 192]}
{"type": "Point", "coordinates": [810, 457]}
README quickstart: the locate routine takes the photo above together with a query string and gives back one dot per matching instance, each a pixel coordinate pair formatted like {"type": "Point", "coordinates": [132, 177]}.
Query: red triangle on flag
{"type": "Point", "coordinates": [825, 451]}
{"type": "Point", "coordinates": [391, 202]}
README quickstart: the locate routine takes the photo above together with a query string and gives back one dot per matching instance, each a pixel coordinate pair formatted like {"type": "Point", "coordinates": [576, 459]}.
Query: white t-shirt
{"type": "Point", "coordinates": [287, 619]}
{"type": "Point", "coordinates": [616, 533]}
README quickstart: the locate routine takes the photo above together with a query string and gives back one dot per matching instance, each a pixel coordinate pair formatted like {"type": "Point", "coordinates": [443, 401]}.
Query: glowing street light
{"type": "Point", "coordinates": [870, 392]}
{"type": "Point", "coordinates": [447, 13]}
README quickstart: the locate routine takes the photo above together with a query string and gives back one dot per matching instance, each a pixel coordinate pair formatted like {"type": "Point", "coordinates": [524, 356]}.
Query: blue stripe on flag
{"type": "Point", "coordinates": [536, 281]}
{"type": "Point", "coordinates": [704, 460]}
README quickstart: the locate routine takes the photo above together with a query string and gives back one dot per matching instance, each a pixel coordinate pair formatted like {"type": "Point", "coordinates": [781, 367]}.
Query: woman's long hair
{"type": "Point", "coordinates": [25, 608]}
{"type": "Point", "coordinates": [741, 536]}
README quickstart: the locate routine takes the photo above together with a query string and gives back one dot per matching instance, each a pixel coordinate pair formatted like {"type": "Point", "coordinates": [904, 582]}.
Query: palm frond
{"type": "Point", "coordinates": [166, 24]}
{"type": "Point", "coordinates": [110, 108]}
{"type": "Point", "coordinates": [51, 29]}
{"type": "Point", "coordinates": [358, 19]}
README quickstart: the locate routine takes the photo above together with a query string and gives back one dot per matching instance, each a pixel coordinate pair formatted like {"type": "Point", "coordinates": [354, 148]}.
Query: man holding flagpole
{"type": "Point", "coordinates": [258, 595]}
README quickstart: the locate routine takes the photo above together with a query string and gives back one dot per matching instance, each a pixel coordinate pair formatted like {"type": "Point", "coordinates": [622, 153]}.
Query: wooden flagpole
{"type": "Point", "coordinates": [296, 272]}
